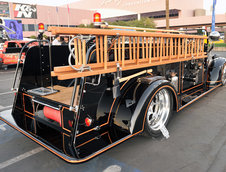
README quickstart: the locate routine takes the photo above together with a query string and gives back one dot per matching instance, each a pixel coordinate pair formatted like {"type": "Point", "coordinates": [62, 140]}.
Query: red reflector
{"type": "Point", "coordinates": [52, 114]}
{"type": "Point", "coordinates": [70, 123]}
{"type": "Point", "coordinates": [88, 121]}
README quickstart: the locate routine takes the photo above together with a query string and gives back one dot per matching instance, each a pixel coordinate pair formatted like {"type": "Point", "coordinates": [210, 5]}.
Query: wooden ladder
{"type": "Point", "coordinates": [130, 49]}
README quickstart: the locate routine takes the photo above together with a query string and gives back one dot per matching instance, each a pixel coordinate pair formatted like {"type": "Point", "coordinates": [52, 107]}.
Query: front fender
{"type": "Point", "coordinates": [137, 120]}
{"type": "Point", "coordinates": [215, 70]}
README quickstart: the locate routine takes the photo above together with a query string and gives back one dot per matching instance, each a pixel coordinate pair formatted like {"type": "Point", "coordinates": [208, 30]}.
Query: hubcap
{"type": "Point", "coordinates": [158, 110]}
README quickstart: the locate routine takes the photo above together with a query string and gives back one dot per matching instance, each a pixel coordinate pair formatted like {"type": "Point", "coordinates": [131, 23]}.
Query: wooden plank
{"type": "Point", "coordinates": [178, 49]}
{"type": "Point", "coordinates": [150, 50]}
{"type": "Point", "coordinates": [197, 51]}
{"type": "Point", "coordinates": [189, 47]}
{"type": "Point", "coordinates": [94, 31]}
{"type": "Point", "coordinates": [97, 50]}
{"type": "Point", "coordinates": [97, 71]}
{"type": "Point", "coordinates": [157, 47]}
{"type": "Point", "coordinates": [115, 52]}
{"type": "Point", "coordinates": [192, 48]}
{"type": "Point", "coordinates": [164, 47]}
{"type": "Point", "coordinates": [186, 47]}
{"type": "Point", "coordinates": [123, 51]}
{"type": "Point", "coordinates": [63, 96]}
{"type": "Point", "coordinates": [101, 49]}
{"type": "Point", "coordinates": [167, 46]}
{"type": "Point", "coordinates": [119, 49]}
{"type": "Point", "coordinates": [130, 48]}
{"type": "Point", "coordinates": [84, 52]}
{"type": "Point", "coordinates": [143, 52]}
{"type": "Point", "coordinates": [79, 51]}
{"type": "Point", "coordinates": [183, 47]}
{"type": "Point", "coordinates": [147, 47]}
{"type": "Point", "coordinates": [134, 48]}
{"type": "Point", "coordinates": [171, 48]}
{"type": "Point", "coordinates": [61, 69]}
{"type": "Point", "coordinates": [105, 51]}
{"type": "Point", "coordinates": [154, 50]}
{"type": "Point", "coordinates": [138, 49]}
{"type": "Point", "coordinates": [161, 46]}
{"type": "Point", "coordinates": [175, 46]}
{"type": "Point", "coordinates": [76, 51]}
{"type": "Point", "coordinates": [139, 28]}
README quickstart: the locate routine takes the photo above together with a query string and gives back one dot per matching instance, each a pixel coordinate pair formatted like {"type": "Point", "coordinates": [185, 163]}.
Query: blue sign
{"type": "Point", "coordinates": [16, 26]}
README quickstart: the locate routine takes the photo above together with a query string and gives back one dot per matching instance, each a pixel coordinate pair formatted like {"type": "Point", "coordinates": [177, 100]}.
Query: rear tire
{"type": "Point", "coordinates": [223, 79]}
{"type": "Point", "coordinates": [158, 112]}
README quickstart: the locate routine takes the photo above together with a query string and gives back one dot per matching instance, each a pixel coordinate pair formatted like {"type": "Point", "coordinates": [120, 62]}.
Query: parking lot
{"type": "Point", "coordinates": [197, 143]}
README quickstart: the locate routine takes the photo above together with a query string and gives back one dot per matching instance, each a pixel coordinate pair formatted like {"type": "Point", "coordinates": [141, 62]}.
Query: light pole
{"type": "Point", "coordinates": [167, 14]}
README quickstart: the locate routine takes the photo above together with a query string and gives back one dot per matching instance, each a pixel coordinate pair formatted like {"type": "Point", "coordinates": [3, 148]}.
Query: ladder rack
{"type": "Point", "coordinates": [129, 49]}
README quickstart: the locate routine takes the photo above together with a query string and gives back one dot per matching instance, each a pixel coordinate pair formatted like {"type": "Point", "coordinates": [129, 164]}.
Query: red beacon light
{"type": "Point", "coordinates": [41, 28]}
{"type": "Point", "coordinates": [97, 19]}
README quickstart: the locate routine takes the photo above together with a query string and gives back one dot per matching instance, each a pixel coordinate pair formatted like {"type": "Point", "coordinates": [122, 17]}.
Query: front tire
{"type": "Point", "coordinates": [158, 112]}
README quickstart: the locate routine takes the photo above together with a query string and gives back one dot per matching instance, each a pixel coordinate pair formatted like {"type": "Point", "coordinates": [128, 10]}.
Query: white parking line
{"type": "Point", "coordinates": [113, 168]}
{"type": "Point", "coordinates": [6, 79]}
{"type": "Point", "coordinates": [9, 92]}
{"type": "Point", "coordinates": [2, 127]}
{"type": "Point", "coordinates": [2, 108]}
{"type": "Point", "coordinates": [7, 72]}
{"type": "Point", "coordinates": [20, 157]}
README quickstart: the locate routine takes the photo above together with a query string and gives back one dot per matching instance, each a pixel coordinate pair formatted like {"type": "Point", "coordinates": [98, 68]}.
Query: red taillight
{"type": "Point", "coordinates": [41, 27]}
{"type": "Point", "coordinates": [97, 18]}
{"type": "Point", "coordinates": [88, 121]}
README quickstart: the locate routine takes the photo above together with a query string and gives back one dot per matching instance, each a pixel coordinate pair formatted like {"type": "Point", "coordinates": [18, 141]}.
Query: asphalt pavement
{"type": "Point", "coordinates": [197, 143]}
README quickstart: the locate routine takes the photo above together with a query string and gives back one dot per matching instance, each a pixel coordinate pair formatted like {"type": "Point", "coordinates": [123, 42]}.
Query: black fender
{"type": "Point", "coordinates": [215, 70]}
{"type": "Point", "coordinates": [137, 120]}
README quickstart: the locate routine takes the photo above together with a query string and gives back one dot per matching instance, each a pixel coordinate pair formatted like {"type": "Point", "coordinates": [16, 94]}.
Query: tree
{"type": "Point", "coordinates": [225, 37]}
{"type": "Point", "coordinates": [33, 37]}
{"type": "Point", "coordinates": [144, 22]}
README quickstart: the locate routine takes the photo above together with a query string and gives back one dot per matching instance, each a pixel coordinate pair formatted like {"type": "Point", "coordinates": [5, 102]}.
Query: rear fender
{"type": "Point", "coordinates": [215, 70]}
{"type": "Point", "coordinates": [138, 117]}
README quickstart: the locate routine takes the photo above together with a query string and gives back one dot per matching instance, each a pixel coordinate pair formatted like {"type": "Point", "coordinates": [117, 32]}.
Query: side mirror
{"type": "Point", "coordinates": [214, 36]}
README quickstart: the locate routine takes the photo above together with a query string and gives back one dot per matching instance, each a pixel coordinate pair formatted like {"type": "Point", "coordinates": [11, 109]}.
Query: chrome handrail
{"type": "Point", "coordinates": [82, 68]}
{"type": "Point", "coordinates": [19, 60]}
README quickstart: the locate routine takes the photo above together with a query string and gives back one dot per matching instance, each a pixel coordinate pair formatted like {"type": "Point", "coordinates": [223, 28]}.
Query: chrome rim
{"type": "Point", "coordinates": [158, 110]}
{"type": "Point", "coordinates": [224, 75]}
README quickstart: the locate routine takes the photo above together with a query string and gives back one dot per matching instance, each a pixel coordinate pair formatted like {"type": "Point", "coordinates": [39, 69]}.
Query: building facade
{"type": "Point", "coordinates": [31, 15]}
{"type": "Point", "coordinates": [183, 13]}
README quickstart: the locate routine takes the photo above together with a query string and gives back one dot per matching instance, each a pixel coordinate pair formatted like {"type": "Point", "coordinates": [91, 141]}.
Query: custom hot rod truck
{"type": "Point", "coordinates": [107, 86]}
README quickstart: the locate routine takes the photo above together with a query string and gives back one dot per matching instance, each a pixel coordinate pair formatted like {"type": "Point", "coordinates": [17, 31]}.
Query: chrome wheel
{"type": "Point", "coordinates": [224, 75]}
{"type": "Point", "coordinates": [159, 110]}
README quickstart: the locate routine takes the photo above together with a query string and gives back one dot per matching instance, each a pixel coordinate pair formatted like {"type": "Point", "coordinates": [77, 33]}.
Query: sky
{"type": "Point", "coordinates": [44, 2]}
{"type": "Point", "coordinates": [220, 7]}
